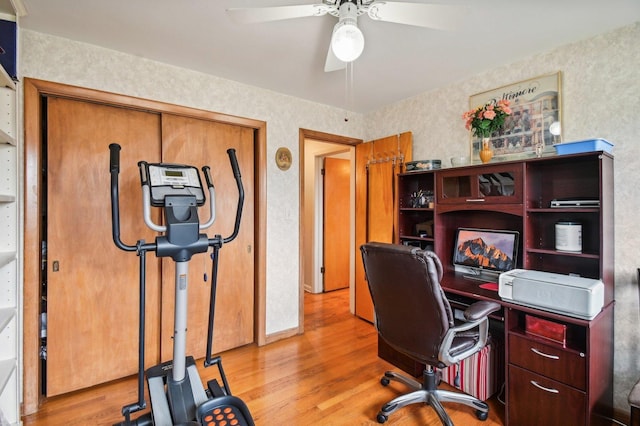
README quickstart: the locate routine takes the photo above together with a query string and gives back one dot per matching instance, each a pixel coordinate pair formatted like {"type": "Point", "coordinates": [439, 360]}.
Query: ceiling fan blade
{"type": "Point", "coordinates": [249, 15]}
{"type": "Point", "coordinates": [332, 63]}
{"type": "Point", "coordinates": [437, 16]}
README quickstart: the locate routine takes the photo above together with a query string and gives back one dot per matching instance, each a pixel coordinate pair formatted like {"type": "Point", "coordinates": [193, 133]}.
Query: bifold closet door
{"type": "Point", "coordinates": [205, 143]}
{"type": "Point", "coordinates": [92, 286]}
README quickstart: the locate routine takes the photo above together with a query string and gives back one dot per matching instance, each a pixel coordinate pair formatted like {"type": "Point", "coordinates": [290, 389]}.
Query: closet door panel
{"type": "Point", "coordinates": [92, 286]}
{"type": "Point", "coordinates": [201, 142]}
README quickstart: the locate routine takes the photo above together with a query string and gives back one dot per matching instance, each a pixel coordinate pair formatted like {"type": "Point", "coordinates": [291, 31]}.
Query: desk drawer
{"type": "Point", "coordinates": [551, 361]}
{"type": "Point", "coordinates": [537, 400]}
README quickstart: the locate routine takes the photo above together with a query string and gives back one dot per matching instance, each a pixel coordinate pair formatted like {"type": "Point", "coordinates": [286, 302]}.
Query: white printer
{"type": "Point", "coordinates": [563, 294]}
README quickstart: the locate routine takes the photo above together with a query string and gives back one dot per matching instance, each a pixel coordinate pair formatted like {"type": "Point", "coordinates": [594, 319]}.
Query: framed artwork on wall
{"type": "Point", "coordinates": [535, 122]}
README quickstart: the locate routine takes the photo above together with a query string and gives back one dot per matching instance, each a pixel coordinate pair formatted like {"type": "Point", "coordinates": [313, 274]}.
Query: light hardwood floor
{"type": "Point", "coordinates": [330, 375]}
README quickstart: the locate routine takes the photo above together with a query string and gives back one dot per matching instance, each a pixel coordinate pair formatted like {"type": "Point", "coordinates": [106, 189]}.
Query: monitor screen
{"type": "Point", "coordinates": [485, 250]}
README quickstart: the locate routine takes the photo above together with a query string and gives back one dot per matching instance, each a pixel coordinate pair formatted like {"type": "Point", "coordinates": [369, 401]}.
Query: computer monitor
{"type": "Point", "coordinates": [485, 253]}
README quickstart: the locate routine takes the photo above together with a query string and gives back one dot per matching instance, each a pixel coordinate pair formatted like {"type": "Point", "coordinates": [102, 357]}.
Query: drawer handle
{"type": "Point", "coordinates": [537, 352]}
{"type": "Point", "coordinates": [539, 386]}
{"type": "Point", "coordinates": [474, 200]}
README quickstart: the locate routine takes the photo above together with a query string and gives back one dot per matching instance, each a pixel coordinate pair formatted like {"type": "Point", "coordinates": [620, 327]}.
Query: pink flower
{"type": "Point", "coordinates": [488, 118]}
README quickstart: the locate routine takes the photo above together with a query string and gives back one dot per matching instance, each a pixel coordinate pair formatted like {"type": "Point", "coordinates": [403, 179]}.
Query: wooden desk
{"type": "Point", "coordinates": [546, 382]}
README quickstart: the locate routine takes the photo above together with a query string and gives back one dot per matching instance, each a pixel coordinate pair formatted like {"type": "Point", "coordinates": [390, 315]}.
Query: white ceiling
{"type": "Point", "coordinates": [288, 56]}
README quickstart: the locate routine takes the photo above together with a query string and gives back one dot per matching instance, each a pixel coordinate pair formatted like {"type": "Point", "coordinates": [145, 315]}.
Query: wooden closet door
{"type": "Point", "coordinates": [376, 203]}
{"type": "Point", "coordinates": [336, 213]}
{"type": "Point", "coordinates": [92, 286]}
{"type": "Point", "coordinates": [200, 143]}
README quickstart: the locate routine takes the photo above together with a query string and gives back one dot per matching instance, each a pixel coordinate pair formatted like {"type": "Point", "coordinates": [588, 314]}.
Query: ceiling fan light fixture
{"type": "Point", "coordinates": [347, 41]}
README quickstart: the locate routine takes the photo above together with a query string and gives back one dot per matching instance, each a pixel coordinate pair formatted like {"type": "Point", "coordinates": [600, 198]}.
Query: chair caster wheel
{"type": "Point", "coordinates": [381, 418]}
{"type": "Point", "coordinates": [482, 415]}
{"type": "Point", "coordinates": [384, 381]}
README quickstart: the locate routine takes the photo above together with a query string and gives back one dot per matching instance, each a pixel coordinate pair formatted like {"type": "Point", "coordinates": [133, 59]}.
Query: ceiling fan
{"type": "Point", "coordinates": [347, 41]}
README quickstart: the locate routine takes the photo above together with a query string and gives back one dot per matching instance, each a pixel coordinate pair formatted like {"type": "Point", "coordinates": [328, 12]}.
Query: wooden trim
{"type": "Point", "coordinates": [284, 334]}
{"type": "Point", "coordinates": [303, 136]}
{"type": "Point", "coordinates": [124, 101]}
{"type": "Point", "coordinates": [260, 251]}
{"type": "Point", "coordinates": [32, 237]}
{"type": "Point", "coordinates": [34, 90]}
{"type": "Point", "coordinates": [328, 137]}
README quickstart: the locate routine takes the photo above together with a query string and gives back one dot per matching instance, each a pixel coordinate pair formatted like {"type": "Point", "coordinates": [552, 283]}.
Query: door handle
{"type": "Point", "coordinates": [55, 266]}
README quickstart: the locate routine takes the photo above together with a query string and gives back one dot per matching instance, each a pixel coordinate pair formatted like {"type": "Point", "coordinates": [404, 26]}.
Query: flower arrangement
{"type": "Point", "coordinates": [486, 119]}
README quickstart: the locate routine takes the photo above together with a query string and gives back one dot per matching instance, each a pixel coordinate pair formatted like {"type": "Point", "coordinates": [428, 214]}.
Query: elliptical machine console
{"type": "Point", "coordinates": [172, 179]}
{"type": "Point", "coordinates": [175, 389]}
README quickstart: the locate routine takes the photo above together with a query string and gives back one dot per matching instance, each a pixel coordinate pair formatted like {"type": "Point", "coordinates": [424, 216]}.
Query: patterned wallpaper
{"type": "Point", "coordinates": [601, 97]}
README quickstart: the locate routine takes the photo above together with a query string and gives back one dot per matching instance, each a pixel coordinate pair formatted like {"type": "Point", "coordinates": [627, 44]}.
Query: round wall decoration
{"type": "Point", "coordinates": [283, 158]}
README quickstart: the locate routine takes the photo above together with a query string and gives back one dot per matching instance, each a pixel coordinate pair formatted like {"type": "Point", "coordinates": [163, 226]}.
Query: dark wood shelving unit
{"type": "Point", "coordinates": [517, 195]}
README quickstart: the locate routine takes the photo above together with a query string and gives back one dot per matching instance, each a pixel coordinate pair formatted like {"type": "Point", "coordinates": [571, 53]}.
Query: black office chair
{"type": "Point", "coordinates": [413, 316]}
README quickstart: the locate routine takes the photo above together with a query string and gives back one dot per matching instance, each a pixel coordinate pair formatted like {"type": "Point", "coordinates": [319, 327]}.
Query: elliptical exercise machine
{"type": "Point", "coordinates": [175, 388]}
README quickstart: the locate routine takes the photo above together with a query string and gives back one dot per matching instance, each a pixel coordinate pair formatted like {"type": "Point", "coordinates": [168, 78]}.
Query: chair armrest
{"type": "Point", "coordinates": [476, 315]}
{"type": "Point", "coordinates": [444, 354]}
{"type": "Point", "coordinates": [479, 310]}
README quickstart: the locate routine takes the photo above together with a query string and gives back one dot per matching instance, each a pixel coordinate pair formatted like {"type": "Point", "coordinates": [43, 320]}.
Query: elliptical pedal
{"type": "Point", "coordinates": [224, 411]}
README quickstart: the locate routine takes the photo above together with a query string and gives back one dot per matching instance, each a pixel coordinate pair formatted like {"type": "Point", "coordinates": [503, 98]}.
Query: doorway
{"type": "Point", "coordinates": [314, 148]}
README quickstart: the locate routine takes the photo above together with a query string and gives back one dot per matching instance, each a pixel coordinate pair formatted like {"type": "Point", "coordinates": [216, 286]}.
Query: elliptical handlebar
{"type": "Point", "coordinates": [114, 158]}
{"type": "Point", "coordinates": [114, 168]}
{"type": "Point", "coordinates": [206, 170]}
{"type": "Point", "coordinates": [236, 174]}
{"type": "Point", "coordinates": [212, 198]}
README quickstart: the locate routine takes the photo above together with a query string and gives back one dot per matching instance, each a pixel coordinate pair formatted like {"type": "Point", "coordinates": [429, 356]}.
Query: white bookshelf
{"type": "Point", "coordinates": [10, 287]}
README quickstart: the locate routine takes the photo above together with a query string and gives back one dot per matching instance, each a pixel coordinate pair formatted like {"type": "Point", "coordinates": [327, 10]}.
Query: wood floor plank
{"type": "Point", "coordinates": [328, 376]}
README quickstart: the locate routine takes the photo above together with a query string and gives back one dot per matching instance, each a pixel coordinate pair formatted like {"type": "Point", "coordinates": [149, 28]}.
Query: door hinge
{"type": "Point", "coordinates": [322, 269]}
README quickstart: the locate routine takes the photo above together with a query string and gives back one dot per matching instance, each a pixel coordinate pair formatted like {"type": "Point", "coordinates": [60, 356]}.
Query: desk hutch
{"type": "Point", "coordinates": [546, 383]}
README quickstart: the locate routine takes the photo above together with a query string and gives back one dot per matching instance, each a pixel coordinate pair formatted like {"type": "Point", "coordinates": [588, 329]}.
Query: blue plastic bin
{"type": "Point", "coordinates": [588, 145]}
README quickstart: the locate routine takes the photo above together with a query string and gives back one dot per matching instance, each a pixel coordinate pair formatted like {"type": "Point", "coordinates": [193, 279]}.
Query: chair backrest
{"type": "Point", "coordinates": [411, 310]}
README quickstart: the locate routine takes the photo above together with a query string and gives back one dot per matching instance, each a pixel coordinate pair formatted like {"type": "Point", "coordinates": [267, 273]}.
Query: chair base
{"type": "Point", "coordinates": [428, 393]}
